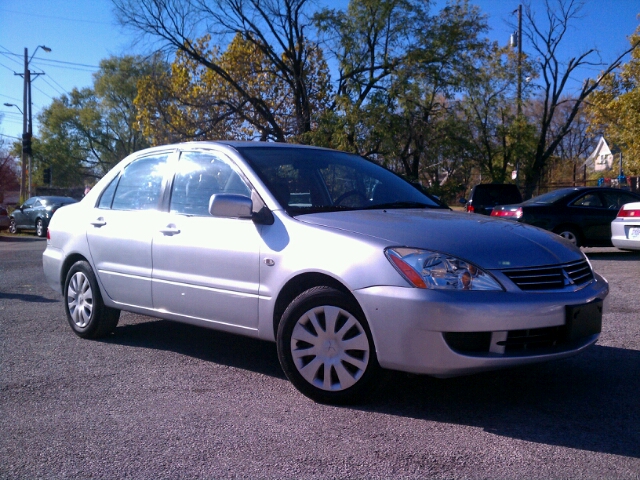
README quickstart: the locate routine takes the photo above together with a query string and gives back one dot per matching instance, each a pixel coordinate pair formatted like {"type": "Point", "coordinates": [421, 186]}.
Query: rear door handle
{"type": "Point", "coordinates": [170, 229]}
{"type": "Point", "coordinates": [99, 222]}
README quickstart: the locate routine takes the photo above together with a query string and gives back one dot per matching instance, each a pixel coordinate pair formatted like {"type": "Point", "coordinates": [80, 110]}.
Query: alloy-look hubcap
{"type": "Point", "coordinates": [330, 348]}
{"type": "Point", "coordinates": [80, 299]}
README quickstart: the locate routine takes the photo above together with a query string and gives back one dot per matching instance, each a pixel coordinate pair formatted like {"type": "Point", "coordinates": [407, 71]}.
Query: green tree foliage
{"type": "Point", "coordinates": [498, 140]}
{"type": "Point", "coordinates": [400, 68]}
{"type": "Point", "coordinates": [615, 110]}
{"type": "Point", "coordinates": [83, 134]}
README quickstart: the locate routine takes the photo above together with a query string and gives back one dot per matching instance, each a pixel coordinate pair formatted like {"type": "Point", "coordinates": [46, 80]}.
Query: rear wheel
{"type": "Point", "coordinates": [41, 230]}
{"type": "Point", "coordinates": [325, 347]}
{"type": "Point", "coordinates": [570, 234]}
{"type": "Point", "coordinates": [86, 312]}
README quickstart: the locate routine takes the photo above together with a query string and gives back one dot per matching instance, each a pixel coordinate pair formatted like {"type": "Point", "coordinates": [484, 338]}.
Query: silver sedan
{"type": "Point", "coordinates": [346, 266]}
{"type": "Point", "coordinates": [625, 229]}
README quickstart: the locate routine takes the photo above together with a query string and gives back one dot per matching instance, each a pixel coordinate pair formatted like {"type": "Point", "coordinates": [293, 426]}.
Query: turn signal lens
{"type": "Point", "coordinates": [435, 270]}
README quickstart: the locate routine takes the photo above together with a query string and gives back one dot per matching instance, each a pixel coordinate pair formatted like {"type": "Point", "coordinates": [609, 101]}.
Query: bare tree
{"type": "Point", "coordinates": [275, 27]}
{"type": "Point", "coordinates": [555, 75]}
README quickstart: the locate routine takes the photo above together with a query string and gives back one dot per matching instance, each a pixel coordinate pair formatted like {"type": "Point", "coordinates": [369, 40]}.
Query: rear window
{"type": "Point", "coordinates": [496, 194]}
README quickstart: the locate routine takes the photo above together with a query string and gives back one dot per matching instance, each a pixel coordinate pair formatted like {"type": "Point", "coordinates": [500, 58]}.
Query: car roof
{"type": "Point", "coordinates": [55, 198]}
{"type": "Point", "coordinates": [234, 144]}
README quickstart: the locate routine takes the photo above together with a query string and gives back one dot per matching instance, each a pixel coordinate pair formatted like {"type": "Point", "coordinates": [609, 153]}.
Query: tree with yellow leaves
{"type": "Point", "coordinates": [615, 110]}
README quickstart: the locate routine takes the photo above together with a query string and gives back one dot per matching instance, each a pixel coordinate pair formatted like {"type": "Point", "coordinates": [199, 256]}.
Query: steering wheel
{"type": "Point", "coordinates": [350, 193]}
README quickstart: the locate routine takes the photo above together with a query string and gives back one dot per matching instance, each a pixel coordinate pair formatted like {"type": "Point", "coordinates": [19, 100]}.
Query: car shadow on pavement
{"type": "Point", "coordinates": [25, 297]}
{"type": "Point", "coordinates": [588, 402]}
{"type": "Point", "coordinates": [21, 238]}
{"type": "Point", "coordinates": [209, 345]}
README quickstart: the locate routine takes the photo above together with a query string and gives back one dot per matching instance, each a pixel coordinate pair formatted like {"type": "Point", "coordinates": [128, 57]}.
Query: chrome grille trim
{"type": "Point", "coordinates": [554, 277]}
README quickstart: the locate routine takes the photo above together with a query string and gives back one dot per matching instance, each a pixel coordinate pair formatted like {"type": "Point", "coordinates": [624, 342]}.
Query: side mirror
{"type": "Point", "coordinates": [463, 201]}
{"type": "Point", "coordinates": [230, 206]}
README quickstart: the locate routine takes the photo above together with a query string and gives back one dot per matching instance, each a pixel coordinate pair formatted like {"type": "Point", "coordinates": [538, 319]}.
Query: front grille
{"type": "Point", "coordinates": [518, 342]}
{"type": "Point", "coordinates": [551, 278]}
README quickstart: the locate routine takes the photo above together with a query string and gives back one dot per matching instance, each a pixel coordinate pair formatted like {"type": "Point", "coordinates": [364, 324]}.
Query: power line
{"type": "Point", "coordinates": [56, 89]}
{"type": "Point", "coordinates": [11, 98]}
{"type": "Point", "coordinates": [57, 18]}
{"type": "Point", "coordinates": [48, 60]}
{"type": "Point", "coordinates": [9, 136]}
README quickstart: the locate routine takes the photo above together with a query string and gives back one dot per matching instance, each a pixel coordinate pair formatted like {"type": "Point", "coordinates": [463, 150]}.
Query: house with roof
{"type": "Point", "coordinates": [602, 158]}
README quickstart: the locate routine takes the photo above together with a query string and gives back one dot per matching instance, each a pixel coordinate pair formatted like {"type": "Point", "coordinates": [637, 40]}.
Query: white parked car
{"type": "Point", "coordinates": [345, 265]}
{"type": "Point", "coordinates": [625, 229]}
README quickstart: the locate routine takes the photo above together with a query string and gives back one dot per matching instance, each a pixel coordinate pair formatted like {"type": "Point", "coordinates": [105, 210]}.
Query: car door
{"type": "Point", "coordinates": [589, 211]}
{"type": "Point", "coordinates": [206, 267]}
{"type": "Point", "coordinates": [23, 214]}
{"type": "Point", "coordinates": [121, 227]}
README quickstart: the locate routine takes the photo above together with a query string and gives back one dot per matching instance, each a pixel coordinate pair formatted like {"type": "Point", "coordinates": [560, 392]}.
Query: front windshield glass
{"type": "Point", "coordinates": [550, 197]}
{"type": "Point", "coordinates": [306, 180]}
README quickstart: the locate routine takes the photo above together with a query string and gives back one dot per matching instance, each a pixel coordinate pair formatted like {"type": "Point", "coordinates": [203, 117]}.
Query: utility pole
{"type": "Point", "coordinates": [518, 42]}
{"type": "Point", "coordinates": [26, 143]}
{"type": "Point", "coordinates": [519, 94]}
{"type": "Point", "coordinates": [27, 124]}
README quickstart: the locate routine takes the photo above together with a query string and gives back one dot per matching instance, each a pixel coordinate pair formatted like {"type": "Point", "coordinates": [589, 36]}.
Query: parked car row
{"type": "Point", "coordinates": [582, 215]}
{"type": "Point", "coordinates": [344, 265]}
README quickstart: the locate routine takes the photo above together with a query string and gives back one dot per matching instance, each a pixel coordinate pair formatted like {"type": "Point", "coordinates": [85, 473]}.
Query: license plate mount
{"type": "Point", "coordinates": [583, 320]}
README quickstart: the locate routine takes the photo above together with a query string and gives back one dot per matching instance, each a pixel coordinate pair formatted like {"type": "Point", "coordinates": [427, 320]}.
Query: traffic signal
{"type": "Point", "coordinates": [47, 176]}
{"type": "Point", "coordinates": [26, 143]}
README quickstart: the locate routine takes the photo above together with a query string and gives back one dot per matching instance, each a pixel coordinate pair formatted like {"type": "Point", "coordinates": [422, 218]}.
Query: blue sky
{"type": "Point", "coordinates": [82, 32]}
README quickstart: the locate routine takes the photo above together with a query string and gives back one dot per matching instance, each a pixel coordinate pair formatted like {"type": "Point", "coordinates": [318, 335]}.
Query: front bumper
{"type": "Point", "coordinates": [408, 325]}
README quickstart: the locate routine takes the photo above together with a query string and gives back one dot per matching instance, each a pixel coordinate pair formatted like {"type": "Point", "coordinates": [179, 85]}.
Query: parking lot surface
{"type": "Point", "coordinates": [165, 400]}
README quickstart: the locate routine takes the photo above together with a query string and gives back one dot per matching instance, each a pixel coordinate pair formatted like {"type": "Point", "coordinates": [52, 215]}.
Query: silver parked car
{"type": "Point", "coordinates": [346, 266]}
{"type": "Point", "coordinates": [625, 229]}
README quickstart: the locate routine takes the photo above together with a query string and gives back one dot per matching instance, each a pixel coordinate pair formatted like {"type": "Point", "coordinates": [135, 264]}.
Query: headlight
{"type": "Point", "coordinates": [429, 269]}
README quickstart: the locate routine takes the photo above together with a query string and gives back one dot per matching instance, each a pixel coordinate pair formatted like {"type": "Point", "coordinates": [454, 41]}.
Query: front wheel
{"type": "Point", "coordinates": [325, 347]}
{"type": "Point", "coordinates": [41, 230]}
{"type": "Point", "coordinates": [86, 312]}
{"type": "Point", "coordinates": [13, 228]}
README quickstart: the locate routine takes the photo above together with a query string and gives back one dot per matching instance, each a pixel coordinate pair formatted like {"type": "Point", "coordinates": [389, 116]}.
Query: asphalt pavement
{"type": "Point", "coordinates": [164, 400]}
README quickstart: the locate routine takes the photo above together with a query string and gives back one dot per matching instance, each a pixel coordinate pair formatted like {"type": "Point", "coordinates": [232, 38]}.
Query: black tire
{"type": "Point", "coordinates": [341, 366]}
{"type": "Point", "coordinates": [41, 230]}
{"type": "Point", "coordinates": [12, 226]}
{"type": "Point", "coordinates": [86, 312]}
{"type": "Point", "coordinates": [569, 233]}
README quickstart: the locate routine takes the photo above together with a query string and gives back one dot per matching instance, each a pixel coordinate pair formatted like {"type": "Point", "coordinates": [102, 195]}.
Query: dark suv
{"type": "Point", "coordinates": [487, 195]}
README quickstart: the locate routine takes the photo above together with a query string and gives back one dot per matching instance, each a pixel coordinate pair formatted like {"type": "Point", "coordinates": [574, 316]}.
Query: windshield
{"type": "Point", "coordinates": [307, 180]}
{"type": "Point", "coordinates": [550, 197]}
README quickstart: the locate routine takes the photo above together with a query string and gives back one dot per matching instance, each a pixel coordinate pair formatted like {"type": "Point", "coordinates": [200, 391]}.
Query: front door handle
{"type": "Point", "coordinates": [170, 229]}
{"type": "Point", "coordinates": [99, 222]}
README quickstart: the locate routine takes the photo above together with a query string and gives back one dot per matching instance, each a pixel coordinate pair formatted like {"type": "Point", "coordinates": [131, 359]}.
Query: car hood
{"type": "Point", "coordinates": [490, 243]}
